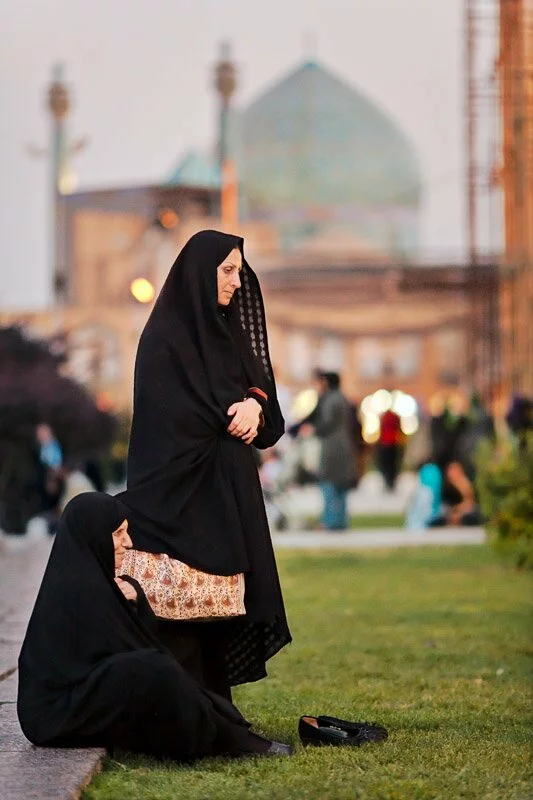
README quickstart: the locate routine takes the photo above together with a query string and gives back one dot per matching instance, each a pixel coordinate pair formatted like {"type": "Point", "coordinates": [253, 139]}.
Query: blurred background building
{"type": "Point", "coordinates": [327, 191]}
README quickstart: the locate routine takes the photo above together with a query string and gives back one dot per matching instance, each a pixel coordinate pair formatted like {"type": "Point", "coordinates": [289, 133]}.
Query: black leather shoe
{"type": "Point", "coordinates": [279, 749]}
{"type": "Point", "coordinates": [320, 731]}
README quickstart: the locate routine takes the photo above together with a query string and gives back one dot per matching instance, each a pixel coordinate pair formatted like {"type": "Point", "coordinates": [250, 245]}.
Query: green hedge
{"type": "Point", "coordinates": [505, 489]}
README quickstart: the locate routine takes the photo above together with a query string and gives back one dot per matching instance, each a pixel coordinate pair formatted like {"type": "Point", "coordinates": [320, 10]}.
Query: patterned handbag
{"type": "Point", "coordinates": [177, 591]}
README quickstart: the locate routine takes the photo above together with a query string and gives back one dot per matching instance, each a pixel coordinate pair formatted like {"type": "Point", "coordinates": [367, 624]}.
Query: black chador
{"type": "Point", "coordinates": [192, 489]}
{"type": "Point", "coordinates": [92, 671]}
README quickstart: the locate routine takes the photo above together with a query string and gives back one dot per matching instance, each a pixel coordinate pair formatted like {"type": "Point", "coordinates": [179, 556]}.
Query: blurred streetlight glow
{"type": "Point", "coordinates": [382, 401]}
{"type": "Point", "coordinates": [366, 404]}
{"type": "Point", "coordinates": [374, 405]}
{"type": "Point", "coordinates": [370, 430]}
{"type": "Point", "coordinates": [142, 290]}
{"type": "Point", "coordinates": [403, 404]}
{"type": "Point", "coordinates": [409, 425]}
{"type": "Point", "coordinates": [168, 218]}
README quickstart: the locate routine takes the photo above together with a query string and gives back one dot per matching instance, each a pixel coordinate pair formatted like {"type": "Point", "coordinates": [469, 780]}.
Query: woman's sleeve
{"type": "Point", "coordinates": [259, 395]}
{"type": "Point", "coordinates": [274, 425]}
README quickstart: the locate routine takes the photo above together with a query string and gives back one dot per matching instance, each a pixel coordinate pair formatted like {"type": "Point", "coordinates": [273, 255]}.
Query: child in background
{"type": "Point", "coordinates": [426, 501]}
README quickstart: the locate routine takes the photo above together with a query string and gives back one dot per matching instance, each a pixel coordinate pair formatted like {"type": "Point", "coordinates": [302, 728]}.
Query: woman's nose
{"type": "Point", "coordinates": [236, 281]}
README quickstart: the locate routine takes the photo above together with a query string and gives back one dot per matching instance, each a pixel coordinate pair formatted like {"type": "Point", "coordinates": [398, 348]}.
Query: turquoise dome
{"type": "Point", "coordinates": [315, 152]}
{"type": "Point", "coordinates": [195, 169]}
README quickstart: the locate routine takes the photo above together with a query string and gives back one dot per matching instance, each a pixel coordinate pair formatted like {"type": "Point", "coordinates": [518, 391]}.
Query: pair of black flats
{"type": "Point", "coordinates": [323, 731]}
{"type": "Point", "coordinates": [320, 731]}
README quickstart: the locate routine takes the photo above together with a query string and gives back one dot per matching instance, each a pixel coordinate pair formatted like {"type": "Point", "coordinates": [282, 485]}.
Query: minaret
{"type": "Point", "coordinates": [62, 179]}
{"type": "Point", "coordinates": [225, 84]}
{"type": "Point", "coordinates": [59, 106]}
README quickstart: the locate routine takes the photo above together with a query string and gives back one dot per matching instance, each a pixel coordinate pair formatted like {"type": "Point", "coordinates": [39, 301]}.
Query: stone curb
{"type": "Point", "coordinates": [28, 772]}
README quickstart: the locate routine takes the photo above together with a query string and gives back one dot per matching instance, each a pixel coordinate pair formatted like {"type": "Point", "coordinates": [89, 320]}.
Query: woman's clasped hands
{"type": "Point", "coordinates": [246, 419]}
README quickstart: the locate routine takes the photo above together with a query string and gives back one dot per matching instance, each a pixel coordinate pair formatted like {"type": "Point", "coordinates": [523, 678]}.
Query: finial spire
{"type": "Point", "coordinates": [310, 45]}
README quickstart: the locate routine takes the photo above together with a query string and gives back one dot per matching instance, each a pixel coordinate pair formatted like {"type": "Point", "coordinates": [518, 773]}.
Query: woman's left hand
{"type": "Point", "coordinates": [246, 417]}
{"type": "Point", "coordinates": [127, 590]}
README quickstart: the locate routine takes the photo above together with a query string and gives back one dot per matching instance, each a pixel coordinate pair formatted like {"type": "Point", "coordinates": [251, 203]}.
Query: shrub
{"type": "Point", "coordinates": [505, 488]}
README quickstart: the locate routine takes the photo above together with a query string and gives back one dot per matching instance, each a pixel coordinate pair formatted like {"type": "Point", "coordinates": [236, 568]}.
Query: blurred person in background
{"type": "Point", "coordinates": [21, 481]}
{"type": "Point", "coordinates": [270, 475]}
{"type": "Point", "coordinates": [51, 460]}
{"type": "Point", "coordinates": [389, 448]}
{"type": "Point", "coordinates": [478, 426]}
{"type": "Point", "coordinates": [459, 500]}
{"type": "Point", "coordinates": [304, 456]}
{"type": "Point", "coordinates": [301, 458]}
{"type": "Point", "coordinates": [294, 429]}
{"type": "Point", "coordinates": [519, 418]}
{"type": "Point", "coordinates": [50, 451]}
{"type": "Point", "coordinates": [94, 472]}
{"type": "Point", "coordinates": [75, 482]}
{"type": "Point", "coordinates": [360, 447]}
{"type": "Point", "coordinates": [425, 504]}
{"type": "Point", "coordinates": [446, 431]}
{"type": "Point", "coordinates": [417, 448]}
{"type": "Point", "coordinates": [333, 424]}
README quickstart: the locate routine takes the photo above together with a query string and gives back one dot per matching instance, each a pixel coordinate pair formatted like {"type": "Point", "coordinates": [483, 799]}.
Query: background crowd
{"type": "Point", "coordinates": [42, 465]}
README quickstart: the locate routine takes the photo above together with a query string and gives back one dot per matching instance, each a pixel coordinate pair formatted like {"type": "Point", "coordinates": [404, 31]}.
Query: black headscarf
{"type": "Point", "coordinates": [80, 616]}
{"type": "Point", "coordinates": [193, 362]}
{"type": "Point", "coordinates": [231, 342]}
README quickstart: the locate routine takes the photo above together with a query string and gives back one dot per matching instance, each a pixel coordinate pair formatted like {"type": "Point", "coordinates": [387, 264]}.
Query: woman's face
{"type": "Point", "coordinates": [121, 543]}
{"type": "Point", "coordinates": [228, 277]}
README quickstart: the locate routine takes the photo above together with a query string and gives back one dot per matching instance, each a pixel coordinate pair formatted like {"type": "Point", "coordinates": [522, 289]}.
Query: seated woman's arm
{"type": "Point", "coordinates": [133, 591]}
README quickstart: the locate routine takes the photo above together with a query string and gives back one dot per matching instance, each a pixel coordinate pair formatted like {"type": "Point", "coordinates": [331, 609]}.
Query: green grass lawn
{"type": "Point", "coordinates": [377, 521]}
{"type": "Point", "coordinates": [435, 643]}
{"type": "Point", "coordinates": [365, 521]}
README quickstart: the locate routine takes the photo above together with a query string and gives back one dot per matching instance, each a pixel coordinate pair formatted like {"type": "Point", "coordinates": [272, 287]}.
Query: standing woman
{"type": "Point", "coordinates": [204, 392]}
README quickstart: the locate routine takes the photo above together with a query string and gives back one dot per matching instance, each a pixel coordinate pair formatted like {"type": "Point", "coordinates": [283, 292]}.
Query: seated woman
{"type": "Point", "coordinates": [459, 500]}
{"type": "Point", "coordinates": [91, 670]}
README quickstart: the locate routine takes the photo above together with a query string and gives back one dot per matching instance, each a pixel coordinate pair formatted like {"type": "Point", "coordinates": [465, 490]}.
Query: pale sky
{"type": "Point", "coordinates": [140, 72]}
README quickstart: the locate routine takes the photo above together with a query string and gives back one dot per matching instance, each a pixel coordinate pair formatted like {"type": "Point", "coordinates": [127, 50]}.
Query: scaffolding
{"type": "Point", "coordinates": [499, 151]}
{"type": "Point", "coordinates": [484, 238]}
{"type": "Point", "coordinates": [515, 67]}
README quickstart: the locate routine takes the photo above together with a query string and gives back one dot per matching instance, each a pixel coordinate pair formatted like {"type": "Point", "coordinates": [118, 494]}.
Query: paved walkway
{"type": "Point", "coordinates": [33, 773]}
{"type": "Point", "coordinates": [370, 497]}
{"type": "Point", "coordinates": [28, 772]}
{"type": "Point", "coordinates": [374, 539]}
